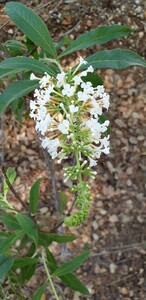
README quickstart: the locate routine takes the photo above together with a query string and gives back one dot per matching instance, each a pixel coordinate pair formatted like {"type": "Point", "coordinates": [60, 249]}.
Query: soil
{"type": "Point", "coordinates": [115, 229]}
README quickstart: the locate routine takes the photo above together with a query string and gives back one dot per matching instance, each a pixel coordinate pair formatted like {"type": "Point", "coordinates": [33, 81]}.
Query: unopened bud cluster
{"type": "Point", "coordinates": [67, 112]}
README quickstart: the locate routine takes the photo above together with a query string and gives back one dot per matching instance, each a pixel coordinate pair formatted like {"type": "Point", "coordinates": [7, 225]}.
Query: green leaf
{"type": "Point", "coordinates": [23, 262]}
{"type": "Point", "coordinates": [69, 279]}
{"type": "Point", "coordinates": [28, 227]}
{"type": "Point", "coordinates": [34, 196]}
{"type": "Point", "coordinates": [6, 262]}
{"type": "Point", "coordinates": [100, 35]}
{"type": "Point", "coordinates": [27, 272]}
{"type": "Point", "coordinates": [94, 78]}
{"type": "Point", "coordinates": [16, 90]}
{"type": "Point", "coordinates": [115, 59]}
{"type": "Point", "coordinates": [11, 174]}
{"type": "Point", "coordinates": [4, 205]}
{"type": "Point", "coordinates": [72, 265]}
{"type": "Point", "coordinates": [15, 45]}
{"type": "Point", "coordinates": [40, 291]}
{"type": "Point", "coordinates": [74, 283]}
{"type": "Point", "coordinates": [7, 72]}
{"type": "Point", "coordinates": [11, 66]}
{"type": "Point", "coordinates": [61, 238]}
{"type": "Point", "coordinates": [31, 25]}
{"type": "Point", "coordinates": [50, 257]}
{"type": "Point", "coordinates": [8, 242]}
{"type": "Point", "coordinates": [10, 222]}
{"type": "Point", "coordinates": [63, 199]}
{"type": "Point", "coordinates": [45, 239]}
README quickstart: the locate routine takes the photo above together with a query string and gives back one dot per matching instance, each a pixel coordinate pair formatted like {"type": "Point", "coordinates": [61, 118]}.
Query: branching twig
{"type": "Point", "coordinates": [67, 214]}
{"type": "Point", "coordinates": [28, 53]}
{"type": "Point", "coordinates": [3, 25]}
{"type": "Point", "coordinates": [12, 189]}
{"type": "Point", "coordinates": [53, 180]}
{"type": "Point", "coordinates": [52, 11]}
{"type": "Point", "coordinates": [72, 205]}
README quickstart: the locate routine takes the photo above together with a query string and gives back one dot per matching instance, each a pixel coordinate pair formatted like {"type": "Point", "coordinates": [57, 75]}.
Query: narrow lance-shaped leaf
{"type": "Point", "coordinates": [115, 59]}
{"type": "Point", "coordinates": [10, 222]}
{"type": "Point", "coordinates": [40, 291]}
{"type": "Point", "coordinates": [72, 265]}
{"type": "Point", "coordinates": [31, 25]}
{"type": "Point", "coordinates": [11, 66]}
{"type": "Point", "coordinates": [11, 174]}
{"type": "Point", "coordinates": [28, 227]}
{"type": "Point", "coordinates": [100, 35]}
{"type": "Point", "coordinates": [6, 262]}
{"type": "Point", "coordinates": [61, 238]}
{"type": "Point", "coordinates": [27, 273]}
{"type": "Point", "coordinates": [34, 196]}
{"type": "Point", "coordinates": [74, 283]}
{"type": "Point", "coordinates": [15, 91]}
{"type": "Point", "coordinates": [69, 279]}
{"type": "Point", "coordinates": [23, 262]}
{"type": "Point", "coordinates": [8, 242]}
{"type": "Point", "coordinates": [45, 239]}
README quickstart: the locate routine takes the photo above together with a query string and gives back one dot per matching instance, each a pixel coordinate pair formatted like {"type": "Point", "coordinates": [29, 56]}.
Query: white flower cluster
{"type": "Point", "coordinates": [67, 111]}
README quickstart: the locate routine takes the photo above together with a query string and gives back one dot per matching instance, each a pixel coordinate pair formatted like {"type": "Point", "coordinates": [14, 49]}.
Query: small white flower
{"type": "Point", "coordinates": [33, 115]}
{"type": "Point", "coordinates": [42, 112]}
{"type": "Point", "coordinates": [51, 145]}
{"type": "Point", "coordinates": [99, 91]}
{"type": "Point", "coordinates": [90, 69]}
{"type": "Point", "coordinates": [64, 127]}
{"type": "Point", "coordinates": [82, 61]}
{"type": "Point", "coordinates": [96, 109]}
{"type": "Point", "coordinates": [105, 99]}
{"type": "Point", "coordinates": [83, 74]}
{"type": "Point", "coordinates": [33, 77]}
{"type": "Point", "coordinates": [93, 162]}
{"type": "Point", "coordinates": [37, 93]}
{"type": "Point", "coordinates": [73, 108]}
{"type": "Point", "coordinates": [87, 87]}
{"type": "Point", "coordinates": [77, 79]}
{"type": "Point", "coordinates": [60, 79]}
{"type": "Point", "coordinates": [33, 105]}
{"type": "Point", "coordinates": [68, 90]}
{"type": "Point", "coordinates": [45, 80]}
{"type": "Point", "coordinates": [104, 126]}
{"type": "Point", "coordinates": [82, 96]}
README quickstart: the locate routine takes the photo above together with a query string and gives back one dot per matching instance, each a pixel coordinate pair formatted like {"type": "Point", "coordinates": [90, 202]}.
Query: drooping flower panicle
{"type": "Point", "coordinates": [67, 112]}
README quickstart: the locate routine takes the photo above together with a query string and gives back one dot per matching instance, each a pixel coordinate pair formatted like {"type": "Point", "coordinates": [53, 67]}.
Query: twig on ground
{"type": "Point", "coordinates": [52, 11]}
{"type": "Point", "coordinates": [42, 6]}
{"type": "Point", "coordinates": [70, 30]}
{"type": "Point", "coordinates": [3, 25]}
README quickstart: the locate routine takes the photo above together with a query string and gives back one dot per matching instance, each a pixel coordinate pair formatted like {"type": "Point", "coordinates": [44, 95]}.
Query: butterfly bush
{"type": "Point", "coordinates": [67, 111]}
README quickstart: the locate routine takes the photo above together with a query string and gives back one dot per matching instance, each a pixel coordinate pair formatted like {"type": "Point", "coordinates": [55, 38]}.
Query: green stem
{"type": "Point", "coordinates": [49, 277]}
{"type": "Point", "coordinates": [78, 165]}
{"type": "Point", "coordinates": [51, 60]}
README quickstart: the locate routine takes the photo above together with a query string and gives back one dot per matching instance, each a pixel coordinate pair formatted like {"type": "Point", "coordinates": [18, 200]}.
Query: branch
{"type": "Point", "coordinates": [3, 169]}
{"type": "Point", "coordinates": [67, 214]}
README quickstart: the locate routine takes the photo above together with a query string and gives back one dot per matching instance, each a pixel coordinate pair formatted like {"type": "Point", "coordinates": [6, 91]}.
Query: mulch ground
{"type": "Point", "coordinates": [116, 227]}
